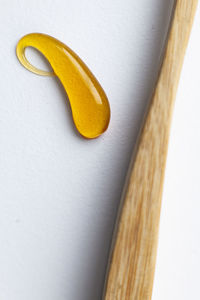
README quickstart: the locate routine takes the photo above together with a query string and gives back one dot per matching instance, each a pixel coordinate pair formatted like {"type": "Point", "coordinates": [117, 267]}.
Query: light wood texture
{"type": "Point", "coordinates": [133, 255]}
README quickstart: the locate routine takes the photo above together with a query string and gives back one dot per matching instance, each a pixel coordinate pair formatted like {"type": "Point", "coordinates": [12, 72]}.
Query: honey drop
{"type": "Point", "coordinates": [89, 103]}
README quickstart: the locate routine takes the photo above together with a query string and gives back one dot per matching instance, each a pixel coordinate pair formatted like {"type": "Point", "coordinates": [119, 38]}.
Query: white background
{"type": "Point", "coordinates": [59, 193]}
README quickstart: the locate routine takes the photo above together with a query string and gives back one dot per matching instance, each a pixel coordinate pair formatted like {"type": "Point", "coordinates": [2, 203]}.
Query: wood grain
{"type": "Point", "coordinates": [133, 254]}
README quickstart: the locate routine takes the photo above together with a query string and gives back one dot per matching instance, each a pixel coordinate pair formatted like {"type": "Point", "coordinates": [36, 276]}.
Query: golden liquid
{"type": "Point", "coordinates": [89, 103]}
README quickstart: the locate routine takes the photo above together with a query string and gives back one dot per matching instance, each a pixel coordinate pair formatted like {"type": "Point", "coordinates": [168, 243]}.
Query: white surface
{"type": "Point", "coordinates": [59, 193]}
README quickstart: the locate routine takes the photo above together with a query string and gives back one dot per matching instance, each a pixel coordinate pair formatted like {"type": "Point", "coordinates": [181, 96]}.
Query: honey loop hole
{"type": "Point", "coordinates": [39, 64]}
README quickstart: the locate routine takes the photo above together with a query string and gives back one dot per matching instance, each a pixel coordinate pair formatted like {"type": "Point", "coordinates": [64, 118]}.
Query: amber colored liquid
{"type": "Point", "coordinates": [89, 103]}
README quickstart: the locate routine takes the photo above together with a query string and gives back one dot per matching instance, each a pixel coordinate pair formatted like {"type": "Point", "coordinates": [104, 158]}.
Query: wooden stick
{"type": "Point", "coordinates": [133, 254]}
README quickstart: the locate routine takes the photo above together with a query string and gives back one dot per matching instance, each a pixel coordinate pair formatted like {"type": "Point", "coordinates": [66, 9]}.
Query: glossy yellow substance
{"type": "Point", "coordinates": [89, 104]}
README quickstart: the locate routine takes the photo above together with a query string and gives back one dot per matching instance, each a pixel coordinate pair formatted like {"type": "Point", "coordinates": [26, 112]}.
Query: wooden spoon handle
{"type": "Point", "coordinates": [133, 255]}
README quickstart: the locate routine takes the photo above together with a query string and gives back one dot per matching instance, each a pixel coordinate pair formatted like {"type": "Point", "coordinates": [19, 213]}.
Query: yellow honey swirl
{"type": "Point", "coordinates": [89, 103]}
